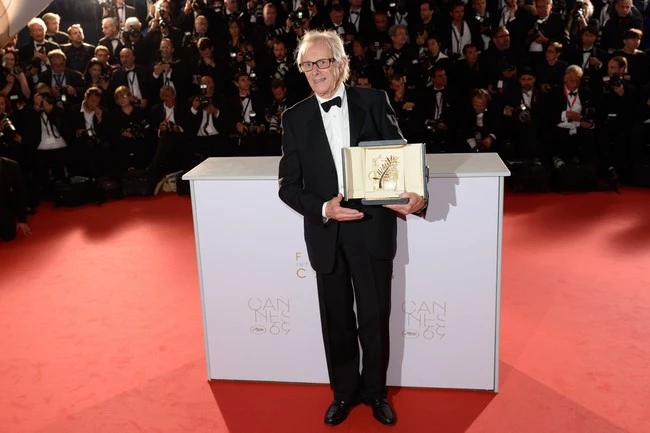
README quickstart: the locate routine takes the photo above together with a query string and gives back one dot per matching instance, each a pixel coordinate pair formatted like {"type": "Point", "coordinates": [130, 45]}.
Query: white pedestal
{"type": "Point", "coordinates": [258, 291]}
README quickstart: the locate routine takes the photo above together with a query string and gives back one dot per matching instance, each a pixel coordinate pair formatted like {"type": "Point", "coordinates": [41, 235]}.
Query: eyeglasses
{"type": "Point", "coordinates": [321, 64]}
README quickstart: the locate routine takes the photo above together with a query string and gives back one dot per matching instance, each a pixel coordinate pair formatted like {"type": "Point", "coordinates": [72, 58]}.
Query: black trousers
{"type": "Point", "coordinates": [7, 225]}
{"type": "Point", "coordinates": [356, 276]}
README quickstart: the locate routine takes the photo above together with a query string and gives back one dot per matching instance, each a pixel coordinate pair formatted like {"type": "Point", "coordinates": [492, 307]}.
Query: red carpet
{"type": "Point", "coordinates": [100, 329]}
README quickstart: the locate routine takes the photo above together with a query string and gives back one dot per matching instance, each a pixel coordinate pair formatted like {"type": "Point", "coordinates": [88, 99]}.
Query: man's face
{"type": "Point", "coordinates": [471, 54]}
{"type": "Point", "coordinates": [52, 26]}
{"type": "Point", "coordinates": [279, 93]}
{"type": "Point", "coordinates": [92, 102]}
{"type": "Point", "coordinates": [397, 85]}
{"type": "Point", "coordinates": [614, 69]}
{"type": "Point", "coordinates": [458, 13]}
{"type": "Point", "coordinates": [425, 12]}
{"type": "Point", "coordinates": [588, 39]}
{"type": "Point", "coordinates": [400, 37]}
{"type": "Point", "coordinates": [479, 6]}
{"type": "Point", "coordinates": [433, 46]}
{"type": "Point", "coordinates": [381, 22]}
{"type": "Point", "coordinates": [270, 16]}
{"type": "Point", "coordinates": [164, 11]}
{"type": "Point", "coordinates": [336, 17]}
{"type": "Point", "coordinates": [279, 51]}
{"type": "Point", "coordinates": [166, 49]}
{"type": "Point", "coordinates": [571, 81]}
{"type": "Point", "coordinates": [102, 56]}
{"type": "Point", "coordinates": [207, 81]}
{"type": "Point", "coordinates": [363, 82]}
{"type": "Point", "coordinates": [244, 84]}
{"type": "Point", "coordinates": [37, 32]}
{"type": "Point", "coordinates": [58, 64]}
{"type": "Point", "coordinates": [551, 54]}
{"type": "Point", "coordinates": [356, 4]}
{"type": "Point", "coordinates": [76, 35]}
{"type": "Point", "coordinates": [543, 8]}
{"type": "Point", "coordinates": [479, 104]}
{"type": "Point", "coordinates": [168, 98]}
{"type": "Point", "coordinates": [9, 60]}
{"type": "Point", "coordinates": [109, 29]}
{"type": "Point", "coordinates": [632, 43]}
{"type": "Point", "coordinates": [527, 82]}
{"type": "Point", "coordinates": [502, 40]}
{"type": "Point", "coordinates": [440, 79]}
{"type": "Point", "coordinates": [623, 7]}
{"type": "Point", "coordinates": [127, 58]}
{"type": "Point", "coordinates": [231, 5]}
{"type": "Point", "coordinates": [201, 25]}
{"type": "Point", "coordinates": [324, 82]}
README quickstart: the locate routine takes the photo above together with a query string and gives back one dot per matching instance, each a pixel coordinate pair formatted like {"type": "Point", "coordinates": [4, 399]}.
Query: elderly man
{"type": "Point", "coordinates": [351, 246]}
{"type": "Point", "coordinates": [38, 47]}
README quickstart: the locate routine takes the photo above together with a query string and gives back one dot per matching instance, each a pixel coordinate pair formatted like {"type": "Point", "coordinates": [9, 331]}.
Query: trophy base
{"type": "Point", "coordinates": [382, 201]}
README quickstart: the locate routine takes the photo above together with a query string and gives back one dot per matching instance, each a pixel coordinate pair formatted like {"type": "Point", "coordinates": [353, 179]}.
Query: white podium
{"type": "Point", "coordinates": [258, 291]}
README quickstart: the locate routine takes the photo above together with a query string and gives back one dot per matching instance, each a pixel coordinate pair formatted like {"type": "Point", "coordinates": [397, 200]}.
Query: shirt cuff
{"type": "Point", "coordinates": [325, 219]}
{"type": "Point", "coordinates": [563, 117]}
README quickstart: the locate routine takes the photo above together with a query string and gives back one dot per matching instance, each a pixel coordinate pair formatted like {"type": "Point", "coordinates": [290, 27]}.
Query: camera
{"type": "Point", "coordinates": [296, 19]}
{"type": "Point", "coordinates": [522, 114]}
{"type": "Point", "coordinates": [610, 82]}
{"type": "Point", "coordinates": [432, 125]}
{"type": "Point", "coordinates": [138, 130]}
{"type": "Point", "coordinates": [169, 125]}
{"type": "Point", "coordinates": [577, 11]}
{"type": "Point", "coordinates": [164, 25]}
{"type": "Point", "coordinates": [247, 56]}
{"type": "Point", "coordinates": [589, 115]}
{"type": "Point", "coordinates": [508, 67]}
{"type": "Point", "coordinates": [391, 58]}
{"type": "Point", "coordinates": [189, 39]}
{"type": "Point", "coordinates": [204, 99]}
{"type": "Point", "coordinates": [137, 102]}
{"type": "Point", "coordinates": [8, 129]}
{"type": "Point", "coordinates": [198, 5]}
{"type": "Point", "coordinates": [107, 4]}
{"type": "Point", "coordinates": [253, 127]}
{"type": "Point", "coordinates": [281, 71]}
{"type": "Point", "coordinates": [131, 32]}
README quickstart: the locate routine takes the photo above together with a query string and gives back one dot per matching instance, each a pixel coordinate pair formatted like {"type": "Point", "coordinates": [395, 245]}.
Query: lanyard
{"type": "Point", "coordinates": [523, 100]}
{"type": "Point", "coordinates": [245, 107]}
{"type": "Point", "coordinates": [454, 32]}
{"type": "Point", "coordinates": [58, 80]}
{"type": "Point", "coordinates": [207, 122]}
{"type": "Point", "coordinates": [354, 23]}
{"type": "Point", "coordinates": [570, 103]}
{"type": "Point", "coordinates": [438, 105]}
{"type": "Point", "coordinates": [49, 127]}
{"type": "Point", "coordinates": [171, 113]}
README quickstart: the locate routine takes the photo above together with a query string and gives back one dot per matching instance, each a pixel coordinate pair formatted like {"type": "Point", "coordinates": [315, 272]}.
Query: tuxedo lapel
{"type": "Point", "coordinates": [317, 139]}
{"type": "Point", "coordinates": [356, 114]}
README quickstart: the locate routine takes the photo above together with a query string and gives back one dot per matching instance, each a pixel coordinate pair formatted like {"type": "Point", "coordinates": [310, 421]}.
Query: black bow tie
{"type": "Point", "coordinates": [354, 12]}
{"type": "Point", "coordinates": [573, 93]}
{"type": "Point", "coordinates": [243, 97]}
{"type": "Point", "coordinates": [586, 51]}
{"type": "Point", "coordinates": [328, 104]}
{"type": "Point", "coordinates": [40, 45]}
{"type": "Point", "coordinates": [436, 91]}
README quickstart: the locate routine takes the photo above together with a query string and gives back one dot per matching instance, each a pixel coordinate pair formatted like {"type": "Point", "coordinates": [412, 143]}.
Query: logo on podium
{"type": "Point", "coordinates": [270, 316]}
{"type": "Point", "coordinates": [424, 319]}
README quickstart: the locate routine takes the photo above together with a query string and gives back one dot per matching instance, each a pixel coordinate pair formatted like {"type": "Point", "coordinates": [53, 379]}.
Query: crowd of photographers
{"type": "Point", "coordinates": [546, 84]}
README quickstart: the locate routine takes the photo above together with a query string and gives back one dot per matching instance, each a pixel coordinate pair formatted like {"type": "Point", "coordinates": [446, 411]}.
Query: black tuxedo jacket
{"type": "Point", "coordinates": [557, 103]}
{"type": "Point", "coordinates": [222, 122]}
{"type": "Point", "coordinates": [491, 126]}
{"type": "Point", "coordinates": [114, 54]}
{"type": "Point", "coordinates": [72, 78]}
{"type": "Point", "coordinates": [120, 78]}
{"type": "Point", "coordinates": [58, 38]}
{"type": "Point", "coordinates": [76, 121]}
{"type": "Point", "coordinates": [235, 108]}
{"type": "Point", "coordinates": [77, 58]}
{"type": "Point", "coordinates": [158, 115]}
{"type": "Point", "coordinates": [308, 176]}
{"type": "Point", "coordinates": [366, 23]}
{"type": "Point", "coordinates": [26, 52]}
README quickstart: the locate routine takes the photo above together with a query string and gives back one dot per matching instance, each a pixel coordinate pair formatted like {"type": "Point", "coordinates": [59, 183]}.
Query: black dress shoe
{"type": "Point", "coordinates": [382, 411]}
{"type": "Point", "coordinates": [338, 411]}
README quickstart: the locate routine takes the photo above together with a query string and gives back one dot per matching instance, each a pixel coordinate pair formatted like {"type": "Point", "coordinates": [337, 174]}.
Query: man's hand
{"type": "Point", "coordinates": [586, 125]}
{"type": "Point", "coordinates": [70, 90]}
{"type": "Point", "coordinates": [619, 90]}
{"type": "Point", "coordinates": [334, 210]}
{"type": "Point", "coordinates": [573, 116]}
{"type": "Point", "coordinates": [415, 204]}
{"type": "Point", "coordinates": [24, 227]}
{"type": "Point", "coordinates": [487, 143]}
{"type": "Point", "coordinates": [408, 106]}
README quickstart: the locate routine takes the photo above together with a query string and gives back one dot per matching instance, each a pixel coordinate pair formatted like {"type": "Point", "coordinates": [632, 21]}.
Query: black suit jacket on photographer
{"type": "Point", "coordinates": [180, 79]}
{"type": "Point", "coordinates": [159, 115]}
{"type": "Point", "coordinates": [255, 102]}
{"type": "Point", "coordinates": [78, 57]}
{"type": "Point", "coordinates": [72, 78]}
{"type": "Point", "coordinates": [365, 23]}
{"type": "Point", "coordinates": [77, 121]}
{"type": "Point", "coordinates": [557, 102]}
{"type": "Point", "coordinates": [120, 77]}
{"type": "Point", "coordinates": [449, 111]}
{"type": "Point", "coordinates": [153, 38]}
{"type": "Point", "coordinates": [222, 122]}
{"type": "Point", "coordinates": [467, 128]}
{"type": "Point", "coordinates": [26, 52]}
{"type": "Point", "coordinates": [494, 62]}
{"type": "Point", "coordinates": [616, 110]}
{"type": "Point", "coordinates": [448, 41]}
{"type": "Point", "coordinates": [552, 28]}
{"type": "Point", "coordinates": [32, 120]}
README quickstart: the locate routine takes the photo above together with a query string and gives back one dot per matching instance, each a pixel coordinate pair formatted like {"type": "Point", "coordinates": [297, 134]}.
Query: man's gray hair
{"type": "Point", "coordinates": [574, 69]}
{"type": "Point", "coordinates": [333, 41]}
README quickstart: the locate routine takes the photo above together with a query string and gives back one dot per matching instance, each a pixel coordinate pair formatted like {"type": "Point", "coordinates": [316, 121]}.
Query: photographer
{"type": "Point", "coordinates": [161, 28]}
{"type": "Point", "coordinates": [571, 119]}
{"type": "Point", "coordinates": [458, 33]}
{"type": "Point", "coordinates": [77, 51]}
{"type": "Point", "coordinates": [247, 61]}
{"type": "Point", "coordinates": [589, 58]}
{"type": "Point", "coordinates": [616, 113]}
{"type": "Point", "coordinates": [266, 32]}
{"type": "Point", "coordinates": [501, 62]}
{"type": "Point", "coordinates": [191, 38]}
{"type": "Point", "coordinates": [248, 110]}
{"type": "Point", "coordinates": [400, 56]}
{"type": "Point", "coordinates": [111, 40]}
{"type": "Point", "coordinates": [13, 81]}
{"type": "Point", "coordinates": [378, 38]}
{"type": "Point", "coordinates": [168, 71]}
{"type": "Point", "coordinates": [35, 52]}
{"type": "Point", "coordinates": [405, 103]}
{"type": "Point", "coordinates": [53, 34]}
{"type": "Point", "coordinates": [522, 121]}
{"type": "Point", "coordinates": [13, 201]}
{"type": "Point", "coordinates": [468, 73]}
{"type": "Point", "coordinates": [429, 60]}
{"type": "Point", "coordinates": [622, 19]}
{"type": "Point", "coordinates": [577, 19]}
{"type": "Point", "coordinates": [170, 120]}
{"type": "Point", "coordinates": [479, 128]}
{"type": "Point", "coordinates": [211, 65]}
{"type": "Point", "coordinates": [97, 75]}
{"type": "Point", "coordinates": [117, 9]}
{"type": "Point", "coordinates": [134, 77]}
{"type": "Point", "coordinates": [551, 71]}
{"type": "Point", "coordinates": [346, 30]}
{"type": "Point", "coordinates": [67, 85]}
{"type": "Point", "coordinates": [10, 140]}
{"type": "Point", "coordinates": [481, 21]}
{"type": "Point", "coordinates": [541, 29]}
{"type": "Point", "coordinates": [132, 36]}
{"type": "Point", "coordinates": [273, 116]}
{"type": "Point", "coordinates": [131, 136]}
{"type": "Point", "coordinates": [208, 127]}
{"type": "Point", "coordinates": [638, 65]}
{"type": "Point", "coordinates": [211, 25]}
{"type": "Point", "coordinates": [440, 114]}
{"type": "Point", "coordinates": [90, 148]}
